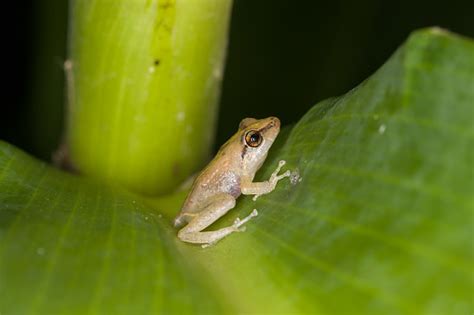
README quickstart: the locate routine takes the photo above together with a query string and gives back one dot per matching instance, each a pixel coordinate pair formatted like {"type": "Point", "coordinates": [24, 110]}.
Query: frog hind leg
{"type": "Point", "coordinates": [216, 207]}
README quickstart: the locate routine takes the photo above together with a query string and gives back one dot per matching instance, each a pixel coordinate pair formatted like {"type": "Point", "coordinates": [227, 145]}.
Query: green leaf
{"type": "Point", "coordinates": [72, 246]}
{"type": "Point", "coordinates": [380, 223]}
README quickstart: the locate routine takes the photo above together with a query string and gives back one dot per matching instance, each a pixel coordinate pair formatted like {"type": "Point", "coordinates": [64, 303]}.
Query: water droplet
{"type": "Point", "coordinates": [382, 129]}
{"type": "Point", "coordinates": [295, 177]}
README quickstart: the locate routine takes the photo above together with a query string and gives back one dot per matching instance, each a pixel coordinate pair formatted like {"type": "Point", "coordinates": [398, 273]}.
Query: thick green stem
{"type": "Point", "coordinates": [143, 85]}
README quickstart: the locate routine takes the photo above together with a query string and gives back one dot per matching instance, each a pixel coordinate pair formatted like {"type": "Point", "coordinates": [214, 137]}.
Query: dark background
{"type": "Point", "coordinates": [284, 56]}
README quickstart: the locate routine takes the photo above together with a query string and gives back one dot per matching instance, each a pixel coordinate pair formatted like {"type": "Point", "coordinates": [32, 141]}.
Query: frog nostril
{"type": "Point", "coordinates": [275, 122]}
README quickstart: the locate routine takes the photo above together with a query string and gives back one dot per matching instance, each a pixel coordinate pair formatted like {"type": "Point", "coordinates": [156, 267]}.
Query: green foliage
{"type": "Point", "coordinates": [380, 223]}
{"type": "Point", "coordinates": [143, 79]}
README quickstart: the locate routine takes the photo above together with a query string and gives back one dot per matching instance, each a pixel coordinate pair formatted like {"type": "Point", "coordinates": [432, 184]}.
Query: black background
{"type": "Point", "coordinates": [284, 56]}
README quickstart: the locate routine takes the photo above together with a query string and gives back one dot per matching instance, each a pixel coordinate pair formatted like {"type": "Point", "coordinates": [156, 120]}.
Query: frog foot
{"type": "Point", "coordinates": [274, 178]}
{"type": "Point", "coordinates": [238, 223]}
{"type": "Point", "coordinates": [235, 227]}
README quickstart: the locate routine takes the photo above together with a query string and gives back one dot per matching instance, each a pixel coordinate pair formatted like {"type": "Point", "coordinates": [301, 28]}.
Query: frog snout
{"type": "Point", "coordinates": [275, 122]}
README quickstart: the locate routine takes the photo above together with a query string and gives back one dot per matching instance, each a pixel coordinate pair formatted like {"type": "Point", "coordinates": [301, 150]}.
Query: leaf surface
{"type": "Point", "coordinates": [71, 246]}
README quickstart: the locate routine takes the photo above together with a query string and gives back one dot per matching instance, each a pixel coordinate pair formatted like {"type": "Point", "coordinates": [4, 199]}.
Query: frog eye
{"type": "Point", "coordinates": [253, 138]}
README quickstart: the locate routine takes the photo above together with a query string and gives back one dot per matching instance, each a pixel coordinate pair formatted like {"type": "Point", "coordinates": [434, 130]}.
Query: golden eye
{"type": "Point", "coordinates": [253, 138]}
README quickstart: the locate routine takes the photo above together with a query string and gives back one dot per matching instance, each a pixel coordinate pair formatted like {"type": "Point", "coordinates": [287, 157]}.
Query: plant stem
{"type": "Point", "coordinates": [143, 84]}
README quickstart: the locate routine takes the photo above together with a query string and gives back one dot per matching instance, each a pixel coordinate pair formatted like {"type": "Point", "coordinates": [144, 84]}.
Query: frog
{"type": "Point", "coordinates": [230, 173]}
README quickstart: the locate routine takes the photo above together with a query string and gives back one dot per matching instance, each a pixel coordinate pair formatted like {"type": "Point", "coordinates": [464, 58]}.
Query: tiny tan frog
{"type": "Point", "coordinates": [228, 175]}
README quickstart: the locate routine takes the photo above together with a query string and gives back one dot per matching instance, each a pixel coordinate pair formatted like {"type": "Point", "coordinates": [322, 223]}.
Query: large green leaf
{"type": "Point", "coordinates": [69, 246]}
{"type": "Point", "coordinates": [381, 222]}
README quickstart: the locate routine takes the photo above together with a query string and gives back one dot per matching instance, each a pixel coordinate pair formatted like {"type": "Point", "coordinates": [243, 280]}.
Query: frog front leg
{"type": "Point", "coordinates": [260, 188]}
{"type": "Point", "coordinates": [216, 207]}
